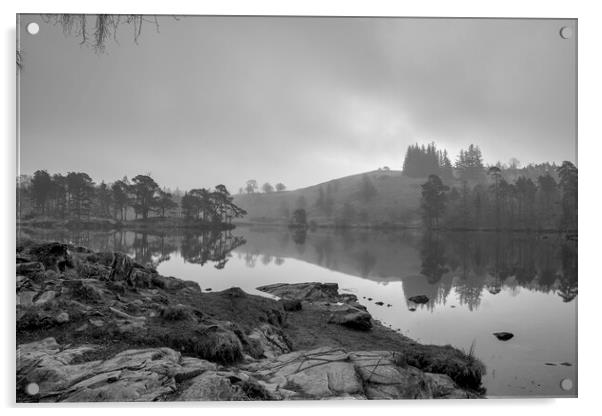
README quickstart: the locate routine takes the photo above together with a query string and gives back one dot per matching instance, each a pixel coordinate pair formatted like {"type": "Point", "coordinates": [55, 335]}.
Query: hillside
{"type": "Point", "coordinates": [369, 198]}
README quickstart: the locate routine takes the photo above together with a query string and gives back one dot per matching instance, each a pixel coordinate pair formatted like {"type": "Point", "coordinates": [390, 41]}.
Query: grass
{"type": "Point", "coordinates": [211, 343]}
{"type": "Point", "coordinates": [463, 368]}
{"type": "Point", "coordinates": [177, 313]}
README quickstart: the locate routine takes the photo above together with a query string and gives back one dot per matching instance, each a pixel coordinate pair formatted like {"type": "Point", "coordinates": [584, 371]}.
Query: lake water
{"type": "Point", "coordinates": [477, 283]}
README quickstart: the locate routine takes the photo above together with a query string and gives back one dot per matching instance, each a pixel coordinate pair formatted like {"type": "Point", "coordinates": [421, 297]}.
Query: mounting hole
{"type": "Point", "coordinates": [33, 28]}
{"type": "Point", "coordinates": [566, 32]}
{"type": "Point", "coordinates": [32, 389]}
{"type": "Point", "coordinates": [566, 384]}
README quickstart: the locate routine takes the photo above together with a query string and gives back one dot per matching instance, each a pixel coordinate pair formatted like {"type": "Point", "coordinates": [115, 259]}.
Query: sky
{"type": "Point", "coordinates": [219, 100]}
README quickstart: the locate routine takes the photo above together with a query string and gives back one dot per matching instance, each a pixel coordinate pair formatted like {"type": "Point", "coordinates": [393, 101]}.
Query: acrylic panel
{"type": "Point", "coordinates": [295, 208]}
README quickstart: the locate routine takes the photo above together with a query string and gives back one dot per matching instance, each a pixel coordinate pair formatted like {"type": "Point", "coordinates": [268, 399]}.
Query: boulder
{"type": "Point", "coordinates": [271, 341]}
{"type": "Point", "coordinates": [88, 290]}
{"type": "Point", "coordinates": [86, 270]}
{"type": "Point", "coordinates": [62, 318]}
{"type": "Point", "coordinates": [353, 319]}
{"type": "Point", "coordinates": [503, 336]}
{"type": "Point", "coordinates": [55, 256]}
{"type": "Point", "coordinates": [30, 268]}
{"type": "Point", "coordinates": [233, 292]}
{"type": "Point", "coordinates": [419, 299]}
{"type": "Point", "coordinates": [140, 278]}
{"type": "Point", "coordinates": [172, 283]}
{"type": "Point", "coordinates": [25, 298]}
{"type": "Point", "coordinates": [291, 305]}
{"type": "Point", "coordinates": [350, 316]}
{"type": "Point", "coordinates": [45, 297]}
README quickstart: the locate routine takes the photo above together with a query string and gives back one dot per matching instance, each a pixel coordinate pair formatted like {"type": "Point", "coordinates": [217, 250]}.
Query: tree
{"type": "Point", "coordinates": [421, 161]}
{"type": "Point", "coordinates": [445, 167]}
{"type": "Point", "coordinates": [105, 26]}
{"type": "Point", "coordinates": [470, 164]}
{"type": "Point", "coordinates": [224, 207]}
{"type": "Point", "coordinates": [433, 200]}
{"type": "Point", "coordinates": [189, 205]}
{"type": "Point", "coordinates": [267, 188]}
{"type": "Point", "coordinates": [496, 174]}
{"type": "Point", "coordinates": [120, 198]}
{"type": "Point", "coordinates": [299, 218]}
{"type": "Point", "coordinates": [81, 190]}
{"type": "Point", "coordinates": [215, 206]}
{"type": "Point", "coordinates": [95, 31]}
{"type": "Point", "coordinates": [251, 186]}
{"type": "Point", "coordinates": [525, 192]}
{"type": "Point", "coordinates": [41, 188]}
{"type": "Point", "coordinates": [547, 196]}
{"type": "Point", "coordinates": [568, 184]}
{"type": "Point", "coordinates": [368, 190]}
{"type": "Point", "coordinates": [145, 191]}
{"type": "Point", "coordinates": [202, 202]}
{"type": "Point", "coordinates": [514, 163]}
{"type": "Point", "coordinates": [59, 194]}
{"type": "Point", "coordinates": [165, 202]}
{"type": "Point", "coordinates": [280, 187]}
{"type": "Point", "coordinates": [103, 196]}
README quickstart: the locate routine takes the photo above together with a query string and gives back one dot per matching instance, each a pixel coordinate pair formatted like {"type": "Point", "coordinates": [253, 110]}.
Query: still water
{"type": "Point", "coordinates": [477, 283]}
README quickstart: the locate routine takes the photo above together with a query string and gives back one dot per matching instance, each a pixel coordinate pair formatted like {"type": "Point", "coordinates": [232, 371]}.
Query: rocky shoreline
{"type": "Point", "coordinates": [101, 327]}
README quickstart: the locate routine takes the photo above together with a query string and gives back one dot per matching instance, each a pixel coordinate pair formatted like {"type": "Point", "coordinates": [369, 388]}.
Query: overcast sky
{"type": "Point", "coordinates": [211, 100]}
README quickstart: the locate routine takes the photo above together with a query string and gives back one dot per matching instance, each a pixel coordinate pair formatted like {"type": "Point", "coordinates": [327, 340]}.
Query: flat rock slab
{"type": "Point", "coordinates": [62, 374]}
{"type": "Point", "coordinates": [152, 374]}
{"type": "Point", "coordinates": [311, 291]}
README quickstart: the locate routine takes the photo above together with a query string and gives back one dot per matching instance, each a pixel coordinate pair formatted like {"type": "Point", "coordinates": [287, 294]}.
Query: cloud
{"type": "Point", "coordinates": [295, 100]}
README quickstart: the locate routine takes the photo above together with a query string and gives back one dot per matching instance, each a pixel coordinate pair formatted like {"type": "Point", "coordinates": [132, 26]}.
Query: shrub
{"type": "Point", "coordinates": [177, 313]}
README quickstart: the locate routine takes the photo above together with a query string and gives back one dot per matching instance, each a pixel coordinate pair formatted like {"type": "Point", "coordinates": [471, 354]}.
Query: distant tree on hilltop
{"type": "Point", "coordinates": [470, 164]}
{"type": "Point", "coordinates": [251, 186]}
{"type": "Point", "coordinates": [267, 188]}
{"type": "Point", "coordinates": [422, 161]}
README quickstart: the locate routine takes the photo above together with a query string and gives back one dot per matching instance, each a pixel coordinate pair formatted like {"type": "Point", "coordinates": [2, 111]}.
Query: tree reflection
{"type": "Point", "coordinates": [466, 265]}
{"type": "Point", "coordinates": [433, 258]}
{"type": "Point", "coordinates": [494, 261]}
{"type": "Point", "coordinates": [568, 281]}
{"type": "Point", "coordinates": [206, 247]}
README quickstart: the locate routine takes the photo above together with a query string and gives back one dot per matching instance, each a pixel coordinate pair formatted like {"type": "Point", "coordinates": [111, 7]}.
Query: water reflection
{"type": "Point", "coordinates": [431, 264]}
{"type": "Point", "coordinates": [477, 283]}
{"type": "Point", "coordinates": [151, 249]}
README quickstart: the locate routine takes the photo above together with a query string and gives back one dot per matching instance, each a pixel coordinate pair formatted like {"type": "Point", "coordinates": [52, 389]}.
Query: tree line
{"type": "Point", "coordinates": [76, 196]}
{"type": "Point", "coordinates": [421, 161]}
{"type": "Point", "coordinates": [497, 203]}
{"type": "Point", "coordinates": [252, 187]}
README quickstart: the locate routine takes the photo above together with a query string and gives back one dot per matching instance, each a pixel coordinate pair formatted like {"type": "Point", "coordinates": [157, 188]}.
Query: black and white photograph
{"type": "Point", "coordinates": [284, 208]}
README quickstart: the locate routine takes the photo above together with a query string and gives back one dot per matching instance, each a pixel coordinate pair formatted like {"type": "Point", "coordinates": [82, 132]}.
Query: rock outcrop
{"type": "Point", "coordinates": [344, 309]}
{"type": "Point", "coordinates": [101, 327]}
{"type": "Point", "coordinates": [66, 374]}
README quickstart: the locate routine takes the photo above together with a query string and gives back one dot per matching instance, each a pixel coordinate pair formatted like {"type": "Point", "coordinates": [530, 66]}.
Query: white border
{"type": "Point", "coordinates": [590, 153]}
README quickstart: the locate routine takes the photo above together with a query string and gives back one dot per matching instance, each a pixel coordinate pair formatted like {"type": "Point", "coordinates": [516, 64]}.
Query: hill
{"type": "Point", "coordinates": [371, 198]}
